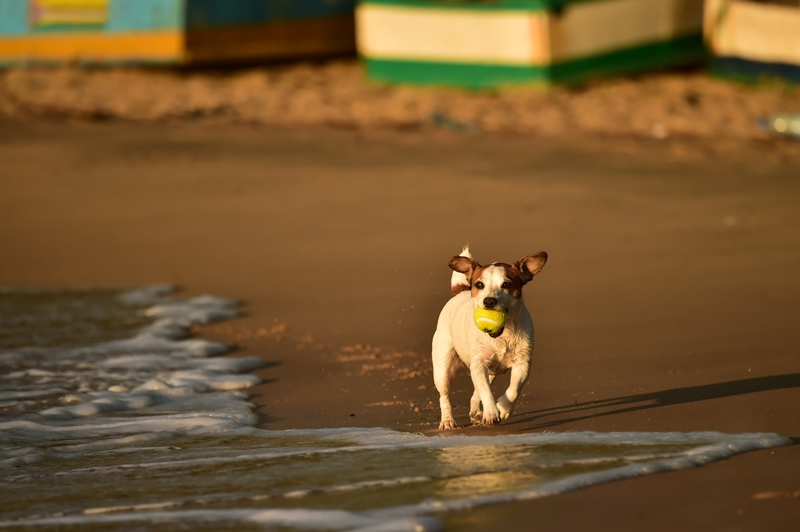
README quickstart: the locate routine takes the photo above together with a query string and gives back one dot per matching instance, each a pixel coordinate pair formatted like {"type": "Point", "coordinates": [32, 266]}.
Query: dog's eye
{"type": "Point", "coordinates": [479, 285]}
{"type": "Point", "coordinates": [506, 285]}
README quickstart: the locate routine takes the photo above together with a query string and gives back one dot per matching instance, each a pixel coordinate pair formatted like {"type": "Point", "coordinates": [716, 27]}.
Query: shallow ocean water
{"type": "Point", "coordinates": [111, 418]}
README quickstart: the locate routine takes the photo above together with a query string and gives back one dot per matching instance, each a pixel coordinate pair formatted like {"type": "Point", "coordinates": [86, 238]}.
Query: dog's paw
{"type": "Point", "coordinates": [447, 424]}
{"type": "Point", "coordinates": [490, 417]}
{"type": "Point", "coordinates": [505, 407]}
{"type": "Point", "coordinates": [476, 415]}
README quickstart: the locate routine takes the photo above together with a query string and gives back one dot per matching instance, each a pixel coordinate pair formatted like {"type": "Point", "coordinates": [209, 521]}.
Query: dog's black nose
{"type": "Point", "coordinates": [489, 302]}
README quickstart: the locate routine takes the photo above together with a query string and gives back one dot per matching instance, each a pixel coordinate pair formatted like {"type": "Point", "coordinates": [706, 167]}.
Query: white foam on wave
{"type": "Point", "coordinates": [144, 296]}
{"type": "Point", "coordinates": [302, 519]}
{"type": "Point", "coordinates": [705, 447]}
{"type": "Point", "coordinates": [355, 486]}
{"type": "Point", "coordinates": [168, 383]}
{"type": "Point", "coordinates": [718, 446]}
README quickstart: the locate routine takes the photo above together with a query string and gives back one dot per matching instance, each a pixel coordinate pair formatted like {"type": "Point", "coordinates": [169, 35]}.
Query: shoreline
{"type": "Point", "coordinates": [668, 301]}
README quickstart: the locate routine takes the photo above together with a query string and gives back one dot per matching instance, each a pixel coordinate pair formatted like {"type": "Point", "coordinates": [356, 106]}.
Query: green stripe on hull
{"type": "Point", "coordinates": [470, 75]}
{"type": "Point", "coordinates": [656, 56]}
{"type": "Point", "coordinates": [682, 51]}
{"type": "Point", "coordinates": [748, 71]}
{"type": "Point", "coordinates": [67, 28]}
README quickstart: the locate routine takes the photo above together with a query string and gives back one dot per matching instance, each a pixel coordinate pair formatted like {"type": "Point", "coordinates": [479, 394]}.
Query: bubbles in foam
{"type": "Point", "coordinates": [149, 369]}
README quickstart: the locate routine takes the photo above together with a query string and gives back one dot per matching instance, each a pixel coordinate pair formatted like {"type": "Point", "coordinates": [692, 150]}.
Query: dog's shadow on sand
{"type": "Point", "coordinates": [646, 401]}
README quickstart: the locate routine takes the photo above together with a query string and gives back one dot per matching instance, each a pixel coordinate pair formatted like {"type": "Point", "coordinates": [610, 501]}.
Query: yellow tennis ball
{"type": "Point", "coordinates": [490, 321]}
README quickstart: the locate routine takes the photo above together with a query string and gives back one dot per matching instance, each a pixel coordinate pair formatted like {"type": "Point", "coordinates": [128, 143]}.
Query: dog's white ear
{"type": "Point", "coordinates": [463, 265]}
{"type": "Point", "coordinates": [530, 265]}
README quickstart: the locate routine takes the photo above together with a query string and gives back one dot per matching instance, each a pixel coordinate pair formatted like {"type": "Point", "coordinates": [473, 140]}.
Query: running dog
{"type": "Point", "coordinates": [457, 339]}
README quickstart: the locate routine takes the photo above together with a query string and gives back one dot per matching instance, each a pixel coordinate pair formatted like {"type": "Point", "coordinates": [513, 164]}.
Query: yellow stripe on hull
{"type": "Point", "coordinates": [94, 47]}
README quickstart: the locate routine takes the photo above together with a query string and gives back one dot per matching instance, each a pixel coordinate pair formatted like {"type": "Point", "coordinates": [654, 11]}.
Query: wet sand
{"type": "Point", "coordinates": [669, 302]}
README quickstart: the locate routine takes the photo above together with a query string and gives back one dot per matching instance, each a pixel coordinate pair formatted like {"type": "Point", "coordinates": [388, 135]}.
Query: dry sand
{"type": "Point", "coordinates": [670, 301]}
{"type": "Point", "coordinates": [336, 93]}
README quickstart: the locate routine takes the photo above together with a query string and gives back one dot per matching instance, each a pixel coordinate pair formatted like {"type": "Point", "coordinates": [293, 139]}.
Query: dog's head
{"type": "Point", "coordinates": [499, 285]}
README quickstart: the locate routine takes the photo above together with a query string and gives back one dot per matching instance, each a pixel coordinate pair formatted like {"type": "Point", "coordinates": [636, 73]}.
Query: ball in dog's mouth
{"type": "Point", "coordinates": [490, 321]}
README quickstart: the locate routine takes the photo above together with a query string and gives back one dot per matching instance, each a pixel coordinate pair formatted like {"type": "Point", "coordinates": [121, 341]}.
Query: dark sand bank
{"type": "Point", "coordinates": [669, 302]}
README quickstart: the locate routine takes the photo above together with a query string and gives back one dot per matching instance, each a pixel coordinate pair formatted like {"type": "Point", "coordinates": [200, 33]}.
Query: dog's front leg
{"type": "Point", "coordinates": [519, 374]}
{"type": "Point", "coordinates": [444, 363]}
{"type": "Point", "coordinates": [475, 412]}
{"type": "Point", "coordinates": [480, 379]}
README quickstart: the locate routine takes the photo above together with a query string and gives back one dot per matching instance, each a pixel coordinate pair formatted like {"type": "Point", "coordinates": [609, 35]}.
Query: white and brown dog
{"type": "Point", "coordinates": [458, 339]}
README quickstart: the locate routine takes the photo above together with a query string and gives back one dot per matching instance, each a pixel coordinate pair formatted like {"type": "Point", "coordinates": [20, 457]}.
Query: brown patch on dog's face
{"type": "Point", "coordinates": [510, 281]}
{"type": "Point", "coordinates": [475, 279]}
{"type": "Point", "coordinates": [499, 282]}
{"type": "Point", "coordinates": [516, 281]}
{"type": "Point", "coordinates": [466, 266]}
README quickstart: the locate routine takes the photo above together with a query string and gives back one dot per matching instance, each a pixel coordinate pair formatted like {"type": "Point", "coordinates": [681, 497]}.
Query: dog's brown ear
{"type": "Point", "coordinates": [530, 265]}
{"type": "Point", "coordinates": [463, 265]}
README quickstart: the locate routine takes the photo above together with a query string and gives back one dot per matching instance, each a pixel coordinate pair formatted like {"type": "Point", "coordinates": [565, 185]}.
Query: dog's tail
{"type": "Point", "coordinates": [459, 281]}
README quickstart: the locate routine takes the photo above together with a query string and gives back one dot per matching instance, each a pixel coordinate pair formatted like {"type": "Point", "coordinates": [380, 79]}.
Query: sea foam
{"type": "Point", "coordinates": [149, 428]}
{"type": "Point", "coordinates": [165, 381]}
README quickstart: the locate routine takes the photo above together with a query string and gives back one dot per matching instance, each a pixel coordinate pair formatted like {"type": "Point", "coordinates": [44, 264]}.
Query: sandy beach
{"type": "Point", "coordinates": [669, 302]}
